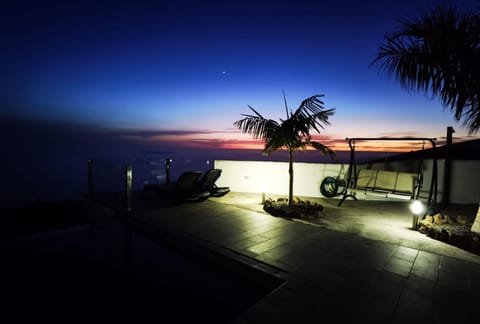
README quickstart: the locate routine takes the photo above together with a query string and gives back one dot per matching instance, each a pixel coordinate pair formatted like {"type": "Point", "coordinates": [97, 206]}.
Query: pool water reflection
{"type": "Point", "coordinates": [116, 274]}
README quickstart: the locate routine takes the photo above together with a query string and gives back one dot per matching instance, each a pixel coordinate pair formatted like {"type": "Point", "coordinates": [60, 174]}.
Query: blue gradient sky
{"type": "Point", "coordinates": [183, 71]}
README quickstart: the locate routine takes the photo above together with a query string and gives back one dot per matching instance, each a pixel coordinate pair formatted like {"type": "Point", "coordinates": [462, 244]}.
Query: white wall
{"type": "Point", "coordinates": [272, 177]}
{"type": "Point", "coordinates": [465, 182]}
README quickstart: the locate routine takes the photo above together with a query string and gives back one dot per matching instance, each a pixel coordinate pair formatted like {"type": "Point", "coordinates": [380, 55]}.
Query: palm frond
{"type": "Point", "coordinates": [312, 114]}
{"type": "Point", "coordinates": [324, 150]}
{"type": "Point", "coordinates": [438, 53]}
{"type": "Point", "coordinates": [292, 133]}
{"type": "Point", "coordinates": [286, 106]}
{"type": "Point", "coordinates": [256, 125]}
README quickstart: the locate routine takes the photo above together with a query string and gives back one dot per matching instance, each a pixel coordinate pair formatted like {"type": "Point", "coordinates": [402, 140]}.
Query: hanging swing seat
{"type": "Point", "coordinates": [389, 184]}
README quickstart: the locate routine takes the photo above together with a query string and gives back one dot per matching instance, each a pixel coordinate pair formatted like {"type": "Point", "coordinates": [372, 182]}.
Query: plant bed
{"type": "Point", "coordinates": [452, 230]}
{"type": "Point", "coordinates": [300, 209]}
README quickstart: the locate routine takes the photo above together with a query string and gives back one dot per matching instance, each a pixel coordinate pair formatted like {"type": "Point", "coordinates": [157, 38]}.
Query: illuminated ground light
{"type": "Point", "coordinates": [416, 207]}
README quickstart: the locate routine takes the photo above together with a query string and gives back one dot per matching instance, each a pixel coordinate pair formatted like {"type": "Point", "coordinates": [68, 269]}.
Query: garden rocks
{"type": "Point", "coordinates": [454, 231]}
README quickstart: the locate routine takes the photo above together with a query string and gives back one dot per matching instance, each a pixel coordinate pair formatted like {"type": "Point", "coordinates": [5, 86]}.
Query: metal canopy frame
{"type": "Point", "coordinates": [351, 180]}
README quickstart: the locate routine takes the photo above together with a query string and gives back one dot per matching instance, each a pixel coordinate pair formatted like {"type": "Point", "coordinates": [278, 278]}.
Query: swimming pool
{"type": "Point", "coordinates": [116, 274]}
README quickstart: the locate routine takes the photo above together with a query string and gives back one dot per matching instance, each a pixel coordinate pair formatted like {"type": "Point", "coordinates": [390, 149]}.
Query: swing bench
{"type": "Point", "coordinates": [387, 184]}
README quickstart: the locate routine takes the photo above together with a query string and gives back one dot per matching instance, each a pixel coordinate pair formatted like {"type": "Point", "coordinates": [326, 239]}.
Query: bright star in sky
{"type": "Point", "coordinates": [147, 67]}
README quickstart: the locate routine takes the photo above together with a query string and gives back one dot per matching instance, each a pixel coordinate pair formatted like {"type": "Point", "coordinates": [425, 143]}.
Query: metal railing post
{"type": "Point", "coordinates": [128, 188]}
{"type": "Point", "coordinates": [168, 161]}
{"type": "Point", "coordinates": [90, 179]}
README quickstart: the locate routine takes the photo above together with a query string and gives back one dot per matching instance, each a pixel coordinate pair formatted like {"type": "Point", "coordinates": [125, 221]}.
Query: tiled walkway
{"type": "Point", "coordinates": [330, 274]}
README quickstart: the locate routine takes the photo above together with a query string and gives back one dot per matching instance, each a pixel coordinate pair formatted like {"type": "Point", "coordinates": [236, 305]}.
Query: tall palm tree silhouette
{"type": "Point", "coordinates": [292, 133]}
{"type": "Point", "coordinates": [438, 53]}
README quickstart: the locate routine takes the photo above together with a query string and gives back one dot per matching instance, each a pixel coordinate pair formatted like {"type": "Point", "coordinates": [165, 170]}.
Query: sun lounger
{"type": "Point", "coordinates": [207, 183]}
{"type": "Point", "coordinates": [184, 189]}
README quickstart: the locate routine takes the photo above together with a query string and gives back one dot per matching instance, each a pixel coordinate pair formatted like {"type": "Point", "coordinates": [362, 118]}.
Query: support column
{"type": "Point", "coordinates": [128, 188]}
{"type": "Point", "coordinates": [447, 176]}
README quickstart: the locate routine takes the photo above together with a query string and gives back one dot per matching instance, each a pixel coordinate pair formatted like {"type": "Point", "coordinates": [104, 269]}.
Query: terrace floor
{"type": "Point", "coordinates": [361, 263]}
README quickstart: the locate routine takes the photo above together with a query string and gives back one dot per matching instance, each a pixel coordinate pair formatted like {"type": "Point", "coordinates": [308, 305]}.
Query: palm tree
{"type": "Point", "coordinates": [292, 133]}
{"type": "Point", "coordinates": [438, 53]}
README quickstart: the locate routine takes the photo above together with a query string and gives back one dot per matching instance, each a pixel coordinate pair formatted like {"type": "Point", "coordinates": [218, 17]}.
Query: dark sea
{"type": "Point", "coordinates": [64, 177]}
{"type": "Point", "coordinates": [47, 161]}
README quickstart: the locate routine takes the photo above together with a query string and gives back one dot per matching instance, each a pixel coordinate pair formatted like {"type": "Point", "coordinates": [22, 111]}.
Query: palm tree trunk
{"type": "Point", "coordinates": [290, 172]}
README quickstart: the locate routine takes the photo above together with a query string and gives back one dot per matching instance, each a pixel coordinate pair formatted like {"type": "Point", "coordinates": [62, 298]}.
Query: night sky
{"type": "Point", "coordinates": [79, 77]}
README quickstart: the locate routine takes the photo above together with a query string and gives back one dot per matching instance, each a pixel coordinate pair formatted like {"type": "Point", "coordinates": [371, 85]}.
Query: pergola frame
{"type": "Point", "coordinates": [351, 179]}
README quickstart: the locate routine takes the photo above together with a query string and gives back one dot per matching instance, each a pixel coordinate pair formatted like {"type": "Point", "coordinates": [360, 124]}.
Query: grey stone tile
{"type": "Point", "coordinates": [453, 306]}
{"type": "Point", "coordinates": [308, 289]}
{"type": "Point", "coordinates": [283, 296]}
{"type": "Point", "coordinates": [280, 251]}
{"type": "Point", "coordinates": [473, 271]}
{"type": "Point", "coordinates": [453, 277]}
{"type": "Point", "coordinates": [449, 263]}
{"type": "Point", "coordinates": [283, 233]}
{"type": "Point", "coordinates": [349, 277]}
{"type": "Point", "coordinates": [262, 228]}
{"type": "Point", "coordinates": [249, 253]}
{"type": "Point", "coordinates": [399, 266]}
{"type": "Point", "coordinates": [374, 310]}
{"type": "Point", "coordinates": [216, 232]}
{"type": "Point", "coordinates": [264, 246]}
{"type": "Point", "coordinates": [388, 286]}
{"type": "Point", "coordinates": [294, 260]}
{"type": "Point", "coordinates": [226, 238]}
{"type": "Point", "coordinates": [373, 261]}
{"type": "Point", "coordinates": [358, 281]}
{"type": "Point", "coordinates": [473, 267]}
{"type": "Point", "coordinates": [304, 239]}
{"type": "Point", "coordinates": [414, 308]}
{"type": "Point", "coordinates": [332, 283]}
{"type": "Point", "coordinates": [422, 286]}
{"type": "Point", "coordinates": [354, 308]}
{"type": "Point", "coordinates": [249, 241]}
{"type": "Point", "coordinates": [406, 253]}
{"type": "Point", "coordinates": [269, 260]}
{"type": "Point", "coordinates": [426, 265]}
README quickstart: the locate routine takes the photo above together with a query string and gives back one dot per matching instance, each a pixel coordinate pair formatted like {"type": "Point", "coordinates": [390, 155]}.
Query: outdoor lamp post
{"type": "Point", "coordinates": [167, 170]}
{"type": "Point", "coordinates": [416, 207]}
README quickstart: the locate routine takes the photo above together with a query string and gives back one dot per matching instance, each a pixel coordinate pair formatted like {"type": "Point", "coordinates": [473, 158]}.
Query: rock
{"type": "Point", "coordinates": [438, 219]}
{"type": "Point", "coordinates": [461, 219]}
{"type": "Point", "coordinates": [449, 220]}
{"type": "Point", "coordinates": [428, 219]}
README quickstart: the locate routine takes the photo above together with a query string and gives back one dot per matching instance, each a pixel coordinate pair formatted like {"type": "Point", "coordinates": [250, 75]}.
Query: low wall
{"type": "Point", "coordinates": [272, 177]}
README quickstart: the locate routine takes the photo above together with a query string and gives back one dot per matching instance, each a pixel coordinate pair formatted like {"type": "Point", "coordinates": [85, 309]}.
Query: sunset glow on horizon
{"type": "Point", "coordinates": [240, 141]}
{"type": "Point", "coordinates": [181, 73]}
